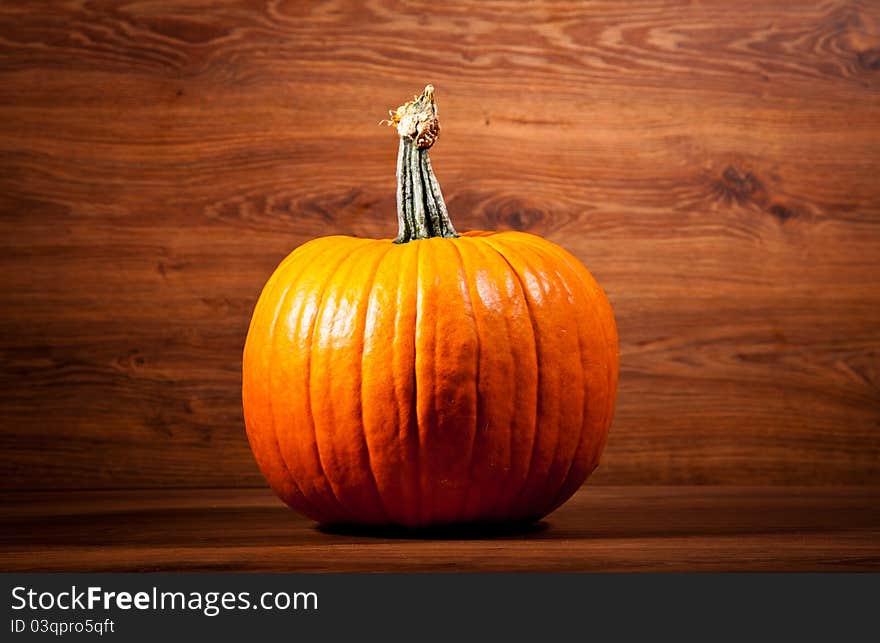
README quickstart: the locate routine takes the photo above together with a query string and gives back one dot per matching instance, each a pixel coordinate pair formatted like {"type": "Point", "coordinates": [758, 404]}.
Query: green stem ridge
{"type": "Point", "coordinates": [421, 210]}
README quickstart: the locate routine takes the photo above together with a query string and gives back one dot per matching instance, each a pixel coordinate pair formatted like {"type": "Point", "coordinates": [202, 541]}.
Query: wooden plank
{"type": "Point", "coordinates": [714, 167]}
{"type": "Point", "coordinates": [602, 528]}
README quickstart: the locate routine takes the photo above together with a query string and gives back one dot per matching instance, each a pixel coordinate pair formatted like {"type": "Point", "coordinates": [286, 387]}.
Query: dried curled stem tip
{"type": "Point", "coordinates": [417, 119]}
{"type": "Point", "coordinates": [421, 210]}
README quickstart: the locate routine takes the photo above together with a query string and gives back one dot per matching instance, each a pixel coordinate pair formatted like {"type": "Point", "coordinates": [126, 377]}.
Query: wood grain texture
{"type": "Point", "coordinates": [603, 528]}
{"type": "Point", "coordinates": [714, 164]}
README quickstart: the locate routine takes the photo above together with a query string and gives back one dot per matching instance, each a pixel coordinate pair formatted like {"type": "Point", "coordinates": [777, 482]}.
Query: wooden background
{"type": "Point", "coordinates": [715, 164]}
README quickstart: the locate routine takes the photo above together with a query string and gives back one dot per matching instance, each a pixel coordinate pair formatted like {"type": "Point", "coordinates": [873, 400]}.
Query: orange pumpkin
{"type": "Point", "coordinates": [434, 379]}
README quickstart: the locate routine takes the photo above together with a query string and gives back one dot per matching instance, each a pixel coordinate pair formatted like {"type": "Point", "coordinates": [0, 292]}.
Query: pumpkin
{"type": "Point", "coordinates": [434, 379]}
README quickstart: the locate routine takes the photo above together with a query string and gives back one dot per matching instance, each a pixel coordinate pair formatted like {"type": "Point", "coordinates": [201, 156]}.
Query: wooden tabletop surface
{"type": "Point", "coordinates": [600, 529]}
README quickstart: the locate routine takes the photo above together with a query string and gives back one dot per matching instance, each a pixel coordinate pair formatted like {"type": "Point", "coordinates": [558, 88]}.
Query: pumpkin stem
{"type": "Point", "coordinates": [421, 210]}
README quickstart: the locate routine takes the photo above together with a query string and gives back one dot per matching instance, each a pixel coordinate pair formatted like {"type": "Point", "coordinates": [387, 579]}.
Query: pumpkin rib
{"type": "Point", "coordinates": [334, 254]}
{"type": "Point", "coordinates": [583, 426]}
{"type": "Point", "coordinates": [322, 398]}
{"type": "Point", "coordinates": [580, 272]}
{"type": "Point", "coordinates": [561, 423]}
{"type": "Point", "coordinates": [362, 329]}
{"type": "Point", "coordinates": [384, 415]}
{"type": "Point", "coordinates": [423, 426]}
{"type": "Point", "coordinates": [469, 307]}
{"type": "Point", "coordinates": [478, 254]}
{"type": "Point", "coordinates": [272, 369]}
{"type": "Point", "coordinates": [612, 371]}
{"type": "Point", "coordinates": [273, 420]}
{"type": "Point", "coordinates": [426, 378]}
{"type": "Point", "coordinates": [321, 287]}
{"type": "Point", "coordinates": [446, 368]}
{"type": "Point", "coordinates": [491, 241]}
{"type": "Point", "coordinates": [405, 323]}
{"type": "Point", "coordinates": [272, 433]}
{"type": "Point", "coordinates": [526, 363]}
{"type": "Point", "coordinates": [552, 410]}
{"type": "Point", "coordinates": [415, 399]}
{"type": "Point", "coordinates": [514, 495]}
{"type": "Point", "coordinates": [283, 483]}
{"type": "Point", "coordinates": [271, 330]}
